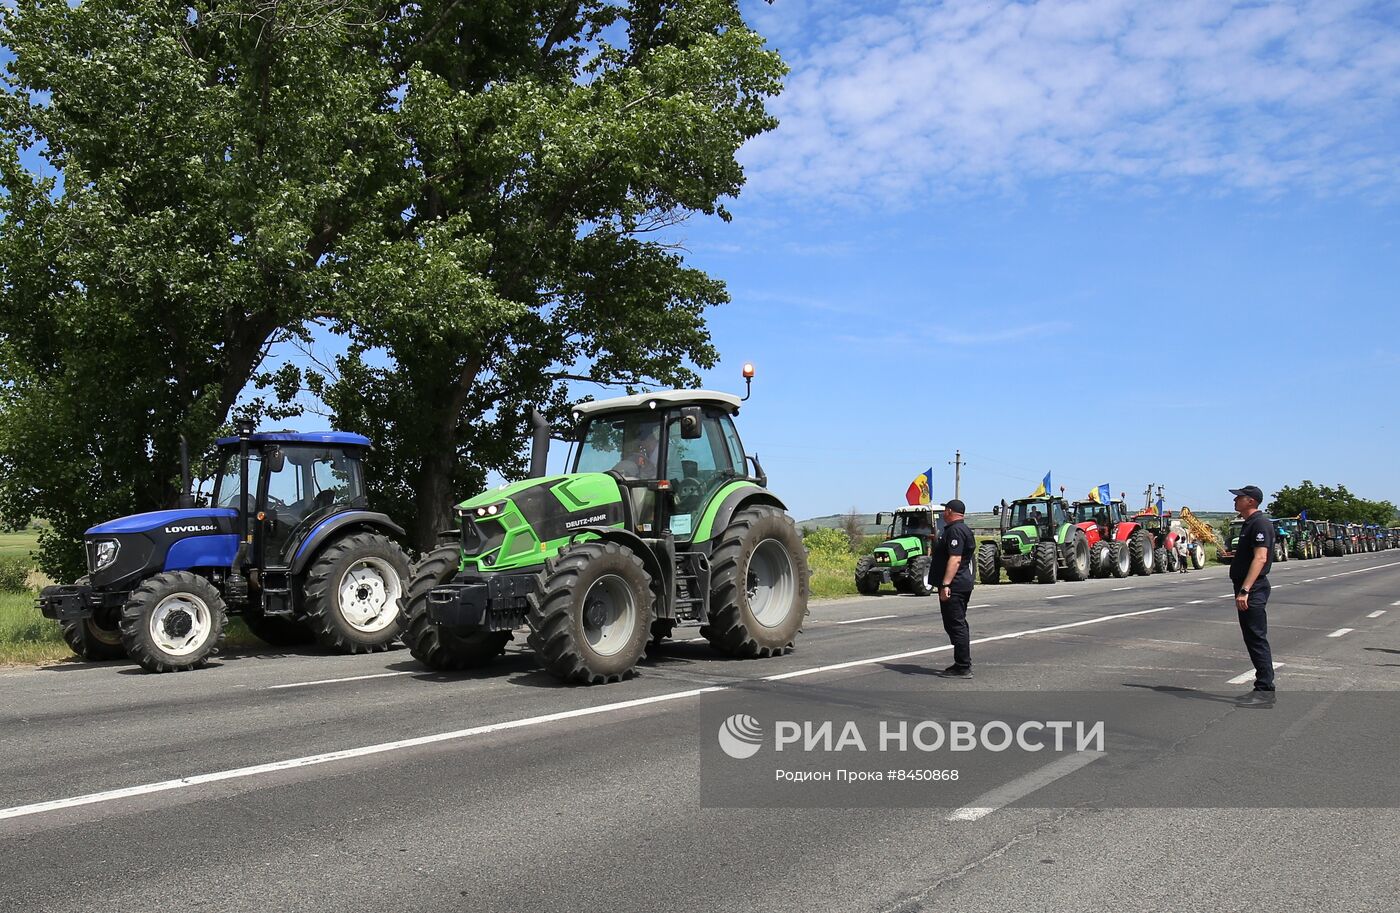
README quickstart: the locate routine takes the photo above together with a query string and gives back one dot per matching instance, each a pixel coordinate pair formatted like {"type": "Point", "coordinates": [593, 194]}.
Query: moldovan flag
{"type": "Point", "coordinates": [1161, 507]}
{"type": "Point", "coordinates": [1099, 495]}
{"type": "Point", "coordinates": [921, 489]}
{"type": "Point", "coordinates": [1044, 490]}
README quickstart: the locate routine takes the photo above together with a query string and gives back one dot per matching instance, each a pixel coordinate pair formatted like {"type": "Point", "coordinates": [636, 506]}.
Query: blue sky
{"type": "Point", "coordinates": [1123, 242]}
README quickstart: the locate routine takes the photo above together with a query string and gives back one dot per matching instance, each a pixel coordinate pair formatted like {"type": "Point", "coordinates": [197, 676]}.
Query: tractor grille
{"type": "Point", "coordinates": [481, 536]}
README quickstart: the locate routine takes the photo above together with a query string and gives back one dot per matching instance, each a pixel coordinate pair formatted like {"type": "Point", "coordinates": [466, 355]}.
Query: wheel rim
{"type": "Point", "coordinates": [180, 624]}
{"type": "Point", "coordinates": [772, 583]}
{"type": "Point", "coordinates": [928, 576]}
{"type": "Point", "coordinates": [369, 595]}
{"type": "Point", "coordinates": [111, 637]}
{"type": "Point", "coordinates": [609, 614]}
{"type": "Point", "coordinates": [1125, 561]}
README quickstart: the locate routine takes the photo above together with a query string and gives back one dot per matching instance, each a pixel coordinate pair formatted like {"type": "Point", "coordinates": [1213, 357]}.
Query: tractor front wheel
{"type": "Point", "coordinates": [95, 638]}
{"type": "Point", "coordinates": [867, 581]}
{"type": "Point", "coordinates": [592, 620]}
{"type": "Point", "coordinates": [987, 570]}
{"type": "Point", "coordinates": [354, 593]}
{"type": "Point", "coordinates": [1098, 560]}
{"type": "Point", "coordinates": [1140, 554]}
{"type": "Point", "coordinates": [919, 569]}
{"type": "Point", "coordinates": [758, 585]}
{"type": "Point", "coordinates": [173, 622]}
{"type": "Point", "coordinates": [1120, 560]}
{"type": "Point", "coordinates": [432, 644]}
{"type": "Point", "coordinates": [1047, 560]}
{"type": "Point", "coordinates": [1077, 567]}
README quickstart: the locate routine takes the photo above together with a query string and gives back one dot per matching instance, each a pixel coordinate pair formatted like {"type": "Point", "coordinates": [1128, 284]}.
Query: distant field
{"type": "Point", "coordinates": [20, 543]}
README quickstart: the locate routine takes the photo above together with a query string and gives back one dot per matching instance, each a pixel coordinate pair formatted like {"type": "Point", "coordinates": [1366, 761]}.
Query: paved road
{"type": "Point", "coordinates": [293, 782]}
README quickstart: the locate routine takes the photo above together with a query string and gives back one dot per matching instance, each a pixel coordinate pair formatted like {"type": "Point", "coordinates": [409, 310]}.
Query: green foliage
{"type": "Point", "coordinates": [469, 191]}
{"type": "Point", "coordinates": [1335, 504]}
{"type": "Point", "coordinates": [14, 574]}
{"type": "Point", "coordinates": [827, 542]}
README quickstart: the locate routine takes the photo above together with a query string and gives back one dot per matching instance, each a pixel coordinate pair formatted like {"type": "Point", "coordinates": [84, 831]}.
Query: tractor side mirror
{"type": "Point", "coordinates": [880, 519]}
{"type": "Point", "coordinates": [276, 460]}
{"type": "Point", "coordinates": [690, 423]}
{"type": "Point", "coordinates": [996, 510]}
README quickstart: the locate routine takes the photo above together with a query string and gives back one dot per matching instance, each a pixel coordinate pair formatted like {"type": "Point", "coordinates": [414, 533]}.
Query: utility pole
{"type": "Point", "coordinates": [957, 463]}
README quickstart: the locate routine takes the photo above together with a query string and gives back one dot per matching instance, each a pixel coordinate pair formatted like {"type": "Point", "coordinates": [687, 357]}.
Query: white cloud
{"type": "Point", "coordinates": [922, 97]}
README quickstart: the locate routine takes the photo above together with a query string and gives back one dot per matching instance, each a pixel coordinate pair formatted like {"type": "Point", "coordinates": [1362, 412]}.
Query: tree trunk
{"type": "Point", "coordinates": [433, 498]}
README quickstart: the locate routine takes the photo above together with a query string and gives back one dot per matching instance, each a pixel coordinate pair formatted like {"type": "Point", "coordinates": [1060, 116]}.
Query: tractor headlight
{"type": "Point", "coordinates": [105, 554]}
{"type": "Point", "coordinates": [491, 510]}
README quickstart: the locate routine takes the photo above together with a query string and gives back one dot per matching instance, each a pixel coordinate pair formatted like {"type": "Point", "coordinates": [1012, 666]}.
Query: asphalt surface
{"type": "Point", "coordinates": [279, 781]}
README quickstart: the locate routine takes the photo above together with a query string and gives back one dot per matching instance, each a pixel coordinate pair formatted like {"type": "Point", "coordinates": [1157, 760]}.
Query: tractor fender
{"type": "Point", "coordinates": [1124, 531]}
{"type": "Point", "coordinates": [336, 525]}
{"type": "Point", "coordinates": [1091, 532]}
{"type": "Point", "coordinates": [661, 577]}
{"type": "Point", "coordinates": [738, 499]}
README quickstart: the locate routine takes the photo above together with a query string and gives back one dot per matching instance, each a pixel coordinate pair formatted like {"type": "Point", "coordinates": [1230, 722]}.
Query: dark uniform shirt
{"type": "Point", "coordinates": [957, 539]}
{"type": "Point", "coordinates": [1257, 532]}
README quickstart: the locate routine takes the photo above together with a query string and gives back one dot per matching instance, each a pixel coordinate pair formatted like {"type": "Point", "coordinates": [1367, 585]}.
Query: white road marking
{"type": "Point", "coordinates": [1196, 602]}
{"type": "Point", "coordinates": [332, 681]}
{"type": "Point", "coordinates": [1397, 602]}
{"type": "Point", "coordinates": [1023, 786]}
{"type": "Point", "coordinates": [982, 605]}
{"type": "Point", "coordinates": [1119, 589]}
{"type": "Point", "coordinates": [1225, 595]}
{"type": "Point", "coordinates": [1062, 596]}
{"type": "Point", "coordinates": [859, 620]}
{"type": "Point", "coordinates": [1340, 632]}
{"type": "Point", "coordinates": [1377, 613]}
{"type": "Point", "coordinates": [1247, 676]}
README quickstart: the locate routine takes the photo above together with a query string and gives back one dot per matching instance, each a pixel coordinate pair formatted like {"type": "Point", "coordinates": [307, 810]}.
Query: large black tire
{"type": "Point", "coordinates": [279, 632]}
{"type": "Point", "coordinates": [97, 638]}
{"type": "Point", "coordinates": [1120, 561]}
{"type": "Point", "coordinates": [353, 593]}
{"type": "Point", "coordinates": [431, 644]}
{"type": "Point", "coordinates": [1098, 560]}
{"type": "Point", "coordinates": [757, 606]}
{"type": "Point", "coordinates": [918, 581]}
{"type": "Point", "coordinates": [988, 569]}
{"type": "Point", "coordinates": [1021, 574]}
{"type": "Point", "coordinates": [1161, 562]}
{"type": "Point", "coordinates": [173, 622]}
{"type": "Point", "coordinates": [867, 583]}
{"type": "Point", "coordinates": [592, 619]}
{"type": "Point", "coordinates": [1047, 562]}
{"type": "Point", "coordinates": [1077, 567]}
{"type": "Point", "coordinates": [1140, 553]}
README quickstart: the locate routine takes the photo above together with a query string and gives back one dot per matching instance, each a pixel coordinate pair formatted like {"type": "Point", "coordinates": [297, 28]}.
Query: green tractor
{"type": "Point", "coordinates": [904, 558]}
{"type": "Point", "coordinates": [1039, 541]}
{"type": "Point", "coordinates": [660, 522]}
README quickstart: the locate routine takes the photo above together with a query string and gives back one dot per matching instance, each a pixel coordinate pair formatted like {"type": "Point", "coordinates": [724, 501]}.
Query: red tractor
{"type": "Point", "coordinates": [1117, 546]}
{"type": "Point", "coordinates": [1170, 544]}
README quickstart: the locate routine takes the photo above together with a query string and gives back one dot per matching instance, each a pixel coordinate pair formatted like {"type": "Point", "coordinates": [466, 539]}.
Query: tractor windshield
{"type": "Point", "coordinates": [628, 445]}
{"type": "Point", "coordinates": [1091, 512]}
{"type": "Point", "coordinates": [916, 523]}
{"type": "Point", "coordinates": [1028, 513]}
{"type": "Point", "coordinates": [228, 485]}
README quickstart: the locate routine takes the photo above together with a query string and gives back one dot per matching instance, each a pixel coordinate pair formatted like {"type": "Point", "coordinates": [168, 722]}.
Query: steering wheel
{"type": "Point", "coordinates": [688, 493]}
{"type": "Point", "coordinates": [275, 504]}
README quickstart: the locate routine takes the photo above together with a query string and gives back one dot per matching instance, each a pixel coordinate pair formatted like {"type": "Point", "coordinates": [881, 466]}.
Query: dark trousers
{"type": "Point", "coordinates": [1254, 624]}
{"type": "Point", "coordinates": [955, 623]}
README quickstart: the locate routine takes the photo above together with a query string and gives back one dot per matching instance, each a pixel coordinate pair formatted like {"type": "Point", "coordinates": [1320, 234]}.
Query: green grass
{"type": "Point", "coordinates": [25, 635]}
{"type": "Point", "coordinates": [21, 543]}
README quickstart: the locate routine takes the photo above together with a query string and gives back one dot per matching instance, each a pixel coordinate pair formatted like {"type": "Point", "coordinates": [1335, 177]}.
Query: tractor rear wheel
{"type": "Point", "coordinates": [353, 593]}
{"type": "Point", "coordinates": [1077, 567]}
{"type": "Point", "coordinates": [1140, 553]}
{"type": "Point", "coordinates": [758, 585]}
{"type": "Point", "coordinates": [1120, 562]}
{"type": "Point", "coordinates": [867, 583]}
{"type": "Point", "coordinates": [277, 631]}
{"type": "Point", "coordinates": [432, 644]}
{"type": "Point", "coordinates": [1160, 564]}
{"type": "Point", "coordinates": [918, 581]}
{"type": "Point", "coordinates": [173, 622]}
{"type": "Point", "coordinates": [592, 619]}
{"type": "Point", "coordinates": [1098, 555]}
{"type": "Point", "coordinates": [987, 570]}
{"type": "Point", "coordinates": [1047, 560]}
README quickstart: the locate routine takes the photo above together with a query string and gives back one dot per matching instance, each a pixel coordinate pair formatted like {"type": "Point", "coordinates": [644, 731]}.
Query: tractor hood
{"type": "Point", "coordinates": [900, 550]}
{"type": "Point", "coordinates": [170, 521]}
{"type": "Point", "coordinates": [522, 524]}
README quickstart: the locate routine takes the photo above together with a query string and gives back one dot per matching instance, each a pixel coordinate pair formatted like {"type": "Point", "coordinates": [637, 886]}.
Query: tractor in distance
{"type": "Point", "coordinates": [1037, 542]}
{"type": "Point", "coordinates": [1107, 536]}
{"type": "Point", "coordinates": [1174, 542]}
{"type": "Point", "coordinates": [1318, 530]}
{"type": "Point", "coordinates": [1226, 553]}
{"type": "Point", "coordinates": [1337, 543]}
{"type": "Point", "coordinates": [1285, 534]}
{"type": "Point", "coordinates": [904, 558]}
{"type": "Point", "coordinates": [1298, 535]}
{"type": "Point", "coordinates": [663, 519]}
{"type": "Point", "coordinates": [288, 543]}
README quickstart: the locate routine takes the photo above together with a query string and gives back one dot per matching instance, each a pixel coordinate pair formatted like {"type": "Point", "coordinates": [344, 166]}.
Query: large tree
{"type": "Point", "coordinates": [1323, 502]}
{"type": "Point", "coordinates": [549, 146]}
{"type": "Point", "coordinates": [467, 189]}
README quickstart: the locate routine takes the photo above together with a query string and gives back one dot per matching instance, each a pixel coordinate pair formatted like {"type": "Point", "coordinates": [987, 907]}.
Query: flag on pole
{"type": "Point", "coordinates": [1044, 490]}
{"type": "Point", "coordinates": [921, 489]}
{"type": "Point", "coordinates": [1303, 515]}
{"type": "Point", "coordinates": [1161, 507]}
{"type": "Point", "coordinates": [1099, 495]}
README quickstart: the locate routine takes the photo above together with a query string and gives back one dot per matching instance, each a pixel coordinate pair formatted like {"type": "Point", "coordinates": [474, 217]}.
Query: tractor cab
{"type": "Point", "coordinates": [1104, 518]}
{"type": "Point", "coordinates": [1035, 518]}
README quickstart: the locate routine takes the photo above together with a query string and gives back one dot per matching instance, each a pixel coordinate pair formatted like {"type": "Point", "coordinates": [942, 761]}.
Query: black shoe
{"type": "Point", "coordinates": [957, 672]}
{"type": "Point", "coordinates": [1259, 697]}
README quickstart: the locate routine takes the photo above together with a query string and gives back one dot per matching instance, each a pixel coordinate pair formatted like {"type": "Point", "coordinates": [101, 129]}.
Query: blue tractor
{"type": "Point", "coordinates": [288, 543]}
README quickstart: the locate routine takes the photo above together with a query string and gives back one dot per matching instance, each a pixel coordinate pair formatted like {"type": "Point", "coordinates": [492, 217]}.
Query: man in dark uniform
{"type": "Point", "coordinates": [952, 569]}
{"type": "Point", "coordinates": [1249, 572]}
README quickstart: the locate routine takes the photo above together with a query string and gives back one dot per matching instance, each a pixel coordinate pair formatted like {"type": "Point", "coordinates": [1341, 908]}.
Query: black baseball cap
{"type": "Point", "coordinates": [1249, 491]}
{"type": "Point", "coordinates": [956, 506]}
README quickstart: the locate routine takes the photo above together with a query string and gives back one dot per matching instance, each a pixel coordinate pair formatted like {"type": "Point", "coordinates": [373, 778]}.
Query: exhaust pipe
{"type": "Point", "coordinates": [186, 494]}
{"type": "Point", "coordinates": [539, 444]}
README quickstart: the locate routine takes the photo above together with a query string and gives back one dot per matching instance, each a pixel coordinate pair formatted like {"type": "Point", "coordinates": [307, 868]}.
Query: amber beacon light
{"type": "Point", "coordinates": [748, 380]}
